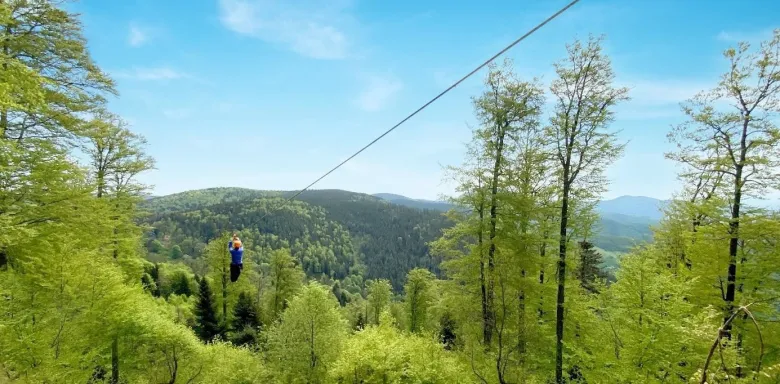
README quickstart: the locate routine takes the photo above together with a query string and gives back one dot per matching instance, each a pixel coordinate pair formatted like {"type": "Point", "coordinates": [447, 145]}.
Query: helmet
{"type": "Point", "coordinates": [236, 243]}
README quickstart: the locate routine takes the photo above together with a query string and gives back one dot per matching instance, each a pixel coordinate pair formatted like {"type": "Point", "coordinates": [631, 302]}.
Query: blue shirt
{"type": "Point", "coordinates": [237, 255]}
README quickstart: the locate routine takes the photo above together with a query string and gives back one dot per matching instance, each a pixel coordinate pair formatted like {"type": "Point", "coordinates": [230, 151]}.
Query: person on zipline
{"type": "Point", "coordinates": [237, 258]}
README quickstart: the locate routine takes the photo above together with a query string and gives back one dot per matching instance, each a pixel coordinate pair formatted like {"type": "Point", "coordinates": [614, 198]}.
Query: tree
{"type": "Point", "coordinates": [116, 154]}
{"type": "Point", "coordinates": [379, 292]}
{"type": "Point", "coordinates": [383, 354]}
{"type": "Point", "coordinates": [219, 260]}
{"type": "Point", "coordinates": [207, 326]}
{"type": "Point", "coordinates": [246, 320]}
{"type": "Point", "coordinates": [589, 268]}
{"type": "Point", "coordinates": [584, 98]}
{"type": "Point", "coordinates": [176, 252]}
{"type": "Point", "coordinates": [69, 260]}
{"type": "Point", "coordinates": [339, 294]}
{"type": "Point", "coordinates": [503, 110]}
{"type": "Point", "coordinates": [180, 284]}
{"type": "Point", "coordinates": [286, 278]}
{"type": "Point", "coordinates": [308, 338]}
{"type": "Point", "coordinates": [117, 157]}
{"type": "Point", "coordinates": [361, 322]}
{"type": "Point", "coordinates": [46, 42]}
{"type": "Point", "coordinates": [734, 153]}
{"type": "Point", "coordinates": [418, 297]}
{"type": "Point", "coordinates": [447, 334]}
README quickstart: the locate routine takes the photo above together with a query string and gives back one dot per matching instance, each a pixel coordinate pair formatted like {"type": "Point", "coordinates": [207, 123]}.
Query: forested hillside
{"type": "Point", "coordinates": [334, 234]}
{"type": "Point", "coordinates": [99, 284]}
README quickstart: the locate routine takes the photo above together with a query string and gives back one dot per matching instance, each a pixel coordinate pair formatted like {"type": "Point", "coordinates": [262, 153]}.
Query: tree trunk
{"type": "Point", "coordinates": [3, 259]}
{"type": "Point", "coordinates": [4, 111]}
{"type": "Point", "coordinates": [224, 292]}
{"type": "Point", "coordinates": [542, 254]}
{"type": "Point", "coordinates": [561, 279]}
{"type": "Point", "coordinates": [101, 182]}
{"type": "Point", "coordinates": [731, 278]}
{"type": "Point", "coordinates": [487, 330]}
{"type": "Point", "coordinates": [115, 361]}
{"type": "Point", "coordinates": [493, 218]}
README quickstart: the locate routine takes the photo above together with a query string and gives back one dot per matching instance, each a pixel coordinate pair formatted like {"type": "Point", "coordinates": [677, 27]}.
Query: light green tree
{"type": "Point", "coordinates": [285, 279]}
{"type": "Point", "coordinates": [308, 337]}
{"type": "Point", "coordinates": [584, 97]}
{"type": "Point", "coordinates": [378, 297]}
{"type": "Point", "coordinates": [419, 295]}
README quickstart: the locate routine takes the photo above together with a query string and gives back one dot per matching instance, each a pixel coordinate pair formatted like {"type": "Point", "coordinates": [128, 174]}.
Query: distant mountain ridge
{"type": "Point", "coordinates": [414, 203]}
{"type": "Point", "coordinates": [622, 208]}
{"type": "Point", "coordinates": [625, 221]}
{"type": "Point", "coordinates": [640, 206]}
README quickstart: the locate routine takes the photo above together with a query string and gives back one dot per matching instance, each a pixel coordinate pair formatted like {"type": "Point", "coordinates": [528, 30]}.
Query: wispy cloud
{"type": "Point", "coordinates": [177, 113]}
{"type": "Point", "coordinates": [663, 91]}
{"type": "Point", "coordinates": [311, 28]}
{"type": "Point", "coordinates": [137, 36]}
{"type": "Point", "coordinates": [379, 92]}
{"type": "Point", "coordinates": [752, 37]}
{"type": "Point", "coordinates": [152, 74]}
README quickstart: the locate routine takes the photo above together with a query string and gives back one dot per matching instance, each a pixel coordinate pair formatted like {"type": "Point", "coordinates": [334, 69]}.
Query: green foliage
{"type": "Point", "coordinates": [246, 321]}
{"type": "Point", "coordinates": [308, 337]}
{"type": "Point", "coordinates": [419, 294]}
{"type": "Point", "coordinates": [286, 278]}
{"type": "Point", "coordinates": [379, 295]}
{"type": "Point", "coordinates": [589, 270]}
{"type": "Point", "coordinates": [381, 354]}
{"type": "Point", "coordinates": [81, 305]}
{"type": "Point", "coordinates": [342, 235]}
{"type": "Point", "coordinates": [207, 326]}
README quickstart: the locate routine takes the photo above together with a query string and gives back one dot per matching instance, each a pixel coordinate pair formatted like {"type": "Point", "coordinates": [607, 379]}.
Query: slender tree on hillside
{"type": "Point", "coordinates": [507, 107]}
{"type": "Point", "coordinates": [286, 278]}
{"type": "Point", "coordinates": [584, 97]}
{"type": "Point", "coordinates": [471, 181]}
{"type": "Point", "coordinates": [379, 295]}
{"type": "Point", "coordinates": [207, 326]}
{"type": "Point", "coordinates": [418, 290]}
{"type": "Point", "coordinates": [117, 157]}
{"type": "Point", "coordinates": [219, 265]}
{"type": "Point", "coordinates": [734, 151]}
{"type": "Point", "coordinates": [309, 336]}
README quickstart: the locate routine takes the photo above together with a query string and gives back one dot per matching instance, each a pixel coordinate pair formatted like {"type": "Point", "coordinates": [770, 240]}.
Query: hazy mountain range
{"type": "Point", "coordinates": [623, 208]}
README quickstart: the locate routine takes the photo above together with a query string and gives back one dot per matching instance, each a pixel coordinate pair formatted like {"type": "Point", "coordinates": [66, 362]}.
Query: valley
{"type": "Point", "coordinates": [345, 236]}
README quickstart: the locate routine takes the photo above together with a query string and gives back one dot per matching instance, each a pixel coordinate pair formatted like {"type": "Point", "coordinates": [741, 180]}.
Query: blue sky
{"type": "Point", "coordinates": [270, 94]}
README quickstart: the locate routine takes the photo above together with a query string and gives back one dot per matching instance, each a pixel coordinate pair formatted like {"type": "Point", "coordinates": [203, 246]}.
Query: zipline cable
{"type": "Point", "coordinates": [475, 70]}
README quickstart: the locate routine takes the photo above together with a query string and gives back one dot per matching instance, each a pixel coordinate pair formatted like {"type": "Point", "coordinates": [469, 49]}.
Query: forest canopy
{"type": "Point", "coordinates": [100, 285]}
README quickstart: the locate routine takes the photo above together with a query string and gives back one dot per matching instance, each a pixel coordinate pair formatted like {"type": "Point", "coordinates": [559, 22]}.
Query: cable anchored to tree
{"type": "Point", "coordinates": [462, 79]}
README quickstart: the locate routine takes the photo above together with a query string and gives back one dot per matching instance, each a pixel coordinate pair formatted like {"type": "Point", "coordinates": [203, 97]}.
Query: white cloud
{"type": "Point", "coordinates": [663, 91]}
{"type": "Point", "coordinates": [752, 37]}
{"type": "Point", "coordinates": [137, 36]}
{"type": "Point", "coordinates": [158, 73]}
{"type": "Point", "coordinates": [379, 92]}
{"type": "Point", "coordinates": [177, 113]}
{"type": "Point", "coordinates": [311, 28]}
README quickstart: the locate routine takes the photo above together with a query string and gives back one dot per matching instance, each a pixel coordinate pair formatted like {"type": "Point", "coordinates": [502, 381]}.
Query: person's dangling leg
{"type": "Point", "coordinates": [234, 272]}
{"type": "Point", "coordinates": [240, 268]}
